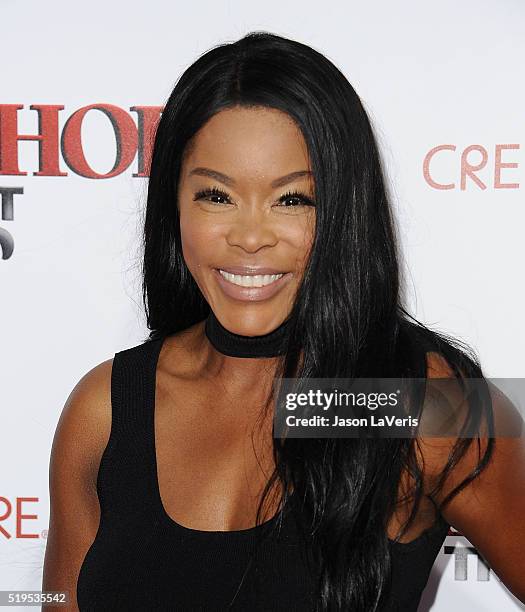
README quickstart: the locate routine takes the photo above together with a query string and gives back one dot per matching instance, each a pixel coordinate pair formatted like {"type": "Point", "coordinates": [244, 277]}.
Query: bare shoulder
{"type": "Point", "coordinates": [81, 434]}
{"type": "Point", "coordinates": [493, 501]}
{"type": "Point", "coordinates": [505, 419]}
{"type": "Point", "coordinates": [85, 422]}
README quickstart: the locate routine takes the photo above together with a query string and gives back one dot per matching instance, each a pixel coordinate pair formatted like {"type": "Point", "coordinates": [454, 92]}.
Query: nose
{"type": "Point", "coordinates": [251, 230]}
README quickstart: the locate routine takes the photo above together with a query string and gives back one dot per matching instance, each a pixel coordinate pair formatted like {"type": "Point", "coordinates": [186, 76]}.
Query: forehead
{"type": "Point", "coordinates": [255, 142]}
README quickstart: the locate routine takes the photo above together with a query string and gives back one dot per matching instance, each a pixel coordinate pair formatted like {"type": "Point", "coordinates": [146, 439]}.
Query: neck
{"type": "Point", "coordinates": [272, 344]}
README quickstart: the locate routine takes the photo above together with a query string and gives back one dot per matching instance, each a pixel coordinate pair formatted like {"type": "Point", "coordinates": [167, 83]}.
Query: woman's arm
{"type": "Point", "coordinates": [80, 438]}
{"type": "Point", "coordinates": [489, 511]}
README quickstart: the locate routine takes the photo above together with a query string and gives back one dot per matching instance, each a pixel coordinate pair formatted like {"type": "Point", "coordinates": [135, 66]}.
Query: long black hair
{"type": "Point", "coordinates": [347, 320]}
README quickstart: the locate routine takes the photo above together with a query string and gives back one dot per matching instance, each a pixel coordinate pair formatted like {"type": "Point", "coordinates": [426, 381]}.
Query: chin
{"type": "Point", "coordinates": [249, 323]}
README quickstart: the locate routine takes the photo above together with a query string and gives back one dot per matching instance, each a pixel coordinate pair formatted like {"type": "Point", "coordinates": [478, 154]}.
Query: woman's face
{"type": "Point", "coordinates": [244, 240]}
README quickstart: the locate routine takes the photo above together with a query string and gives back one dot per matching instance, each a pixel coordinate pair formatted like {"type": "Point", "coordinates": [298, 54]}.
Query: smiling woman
{"type": "Point", "coordinates": [246, 243]}
{"type": "Point", "coordinates": [270, 252]}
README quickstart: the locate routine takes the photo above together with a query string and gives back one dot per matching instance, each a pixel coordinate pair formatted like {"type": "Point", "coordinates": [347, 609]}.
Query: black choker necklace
{"type": "Point", "coordinates": [235, 345]}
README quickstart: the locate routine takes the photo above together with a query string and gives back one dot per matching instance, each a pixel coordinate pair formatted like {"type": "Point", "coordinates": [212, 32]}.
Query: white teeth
{"type": "Point", "coordinates": [250, 281]}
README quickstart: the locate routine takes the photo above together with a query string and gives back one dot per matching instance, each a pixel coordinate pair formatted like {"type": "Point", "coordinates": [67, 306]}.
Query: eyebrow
{"type": "Point", "coordinates": [227, 180]}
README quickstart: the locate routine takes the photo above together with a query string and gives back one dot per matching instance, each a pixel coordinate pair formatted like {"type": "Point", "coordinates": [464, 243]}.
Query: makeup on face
{"type": "Point", "coordinates": [247, 215]}
{"type": "Point", "coordinates": [251, 287]}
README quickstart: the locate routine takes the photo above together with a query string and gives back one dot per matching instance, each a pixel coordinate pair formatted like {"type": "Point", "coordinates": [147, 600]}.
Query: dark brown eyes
{"type": "Point", "coordinates": [298, 198]}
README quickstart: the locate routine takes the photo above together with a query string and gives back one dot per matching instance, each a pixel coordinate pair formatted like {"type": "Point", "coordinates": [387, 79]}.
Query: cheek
{"type": "Point", "coordinates": [193, 243]}
{"type": "Point", "coordinates": [199, 241]}
{"type": "Point", "coordinates": [302, 239]}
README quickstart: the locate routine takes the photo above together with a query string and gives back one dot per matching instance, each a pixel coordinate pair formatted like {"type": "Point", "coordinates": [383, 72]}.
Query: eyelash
{"type": "Point", "coordinates": [216, 191]}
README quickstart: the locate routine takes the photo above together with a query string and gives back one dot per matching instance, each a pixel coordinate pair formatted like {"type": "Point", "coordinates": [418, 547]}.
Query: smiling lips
{"type": "Point", "coordinates": [251, 284]}
{"type": "Point", "coordinates": [250, 280]}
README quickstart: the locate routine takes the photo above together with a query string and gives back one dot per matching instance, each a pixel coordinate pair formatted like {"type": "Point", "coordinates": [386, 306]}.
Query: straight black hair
{"type": "Point", "coordinates": [347, 320]}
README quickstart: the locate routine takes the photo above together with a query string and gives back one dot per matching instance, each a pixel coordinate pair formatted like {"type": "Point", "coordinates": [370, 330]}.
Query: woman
{"type": "Point", "coordinates": [269, 253]}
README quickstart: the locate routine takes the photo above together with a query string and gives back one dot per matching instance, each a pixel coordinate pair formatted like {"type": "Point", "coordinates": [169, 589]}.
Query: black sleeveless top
{"type": "Point", "coordinates": [141, 559]}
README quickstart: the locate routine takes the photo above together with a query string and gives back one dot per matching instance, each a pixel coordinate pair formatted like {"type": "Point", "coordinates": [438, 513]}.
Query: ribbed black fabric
{"type": "Point", "coordinates": [234, 345]}
{"type": "Point", "coordinates": [143, 560]}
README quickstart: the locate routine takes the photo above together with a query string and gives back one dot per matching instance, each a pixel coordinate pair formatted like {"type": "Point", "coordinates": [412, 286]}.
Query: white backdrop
{"type": "Point", "coordinates": [443, 84]}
